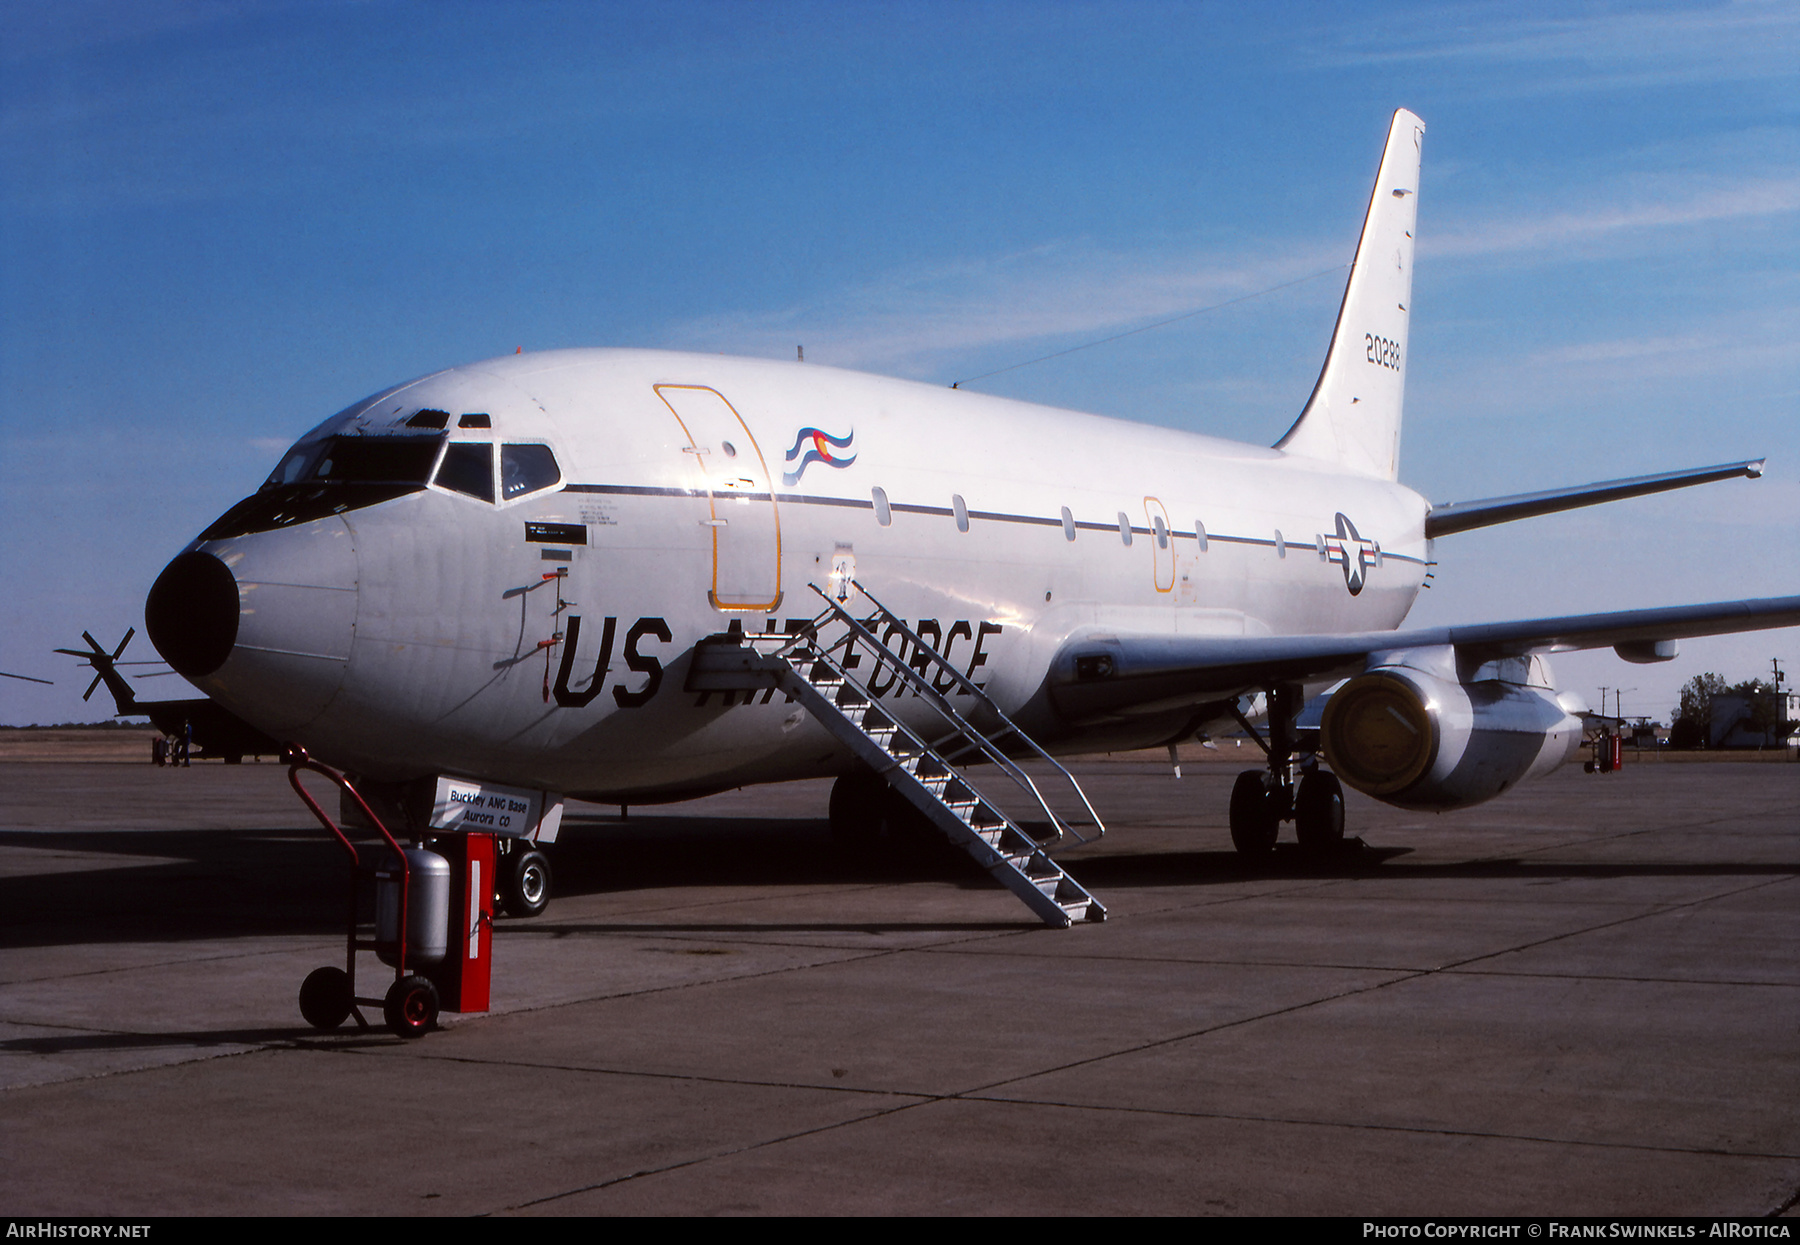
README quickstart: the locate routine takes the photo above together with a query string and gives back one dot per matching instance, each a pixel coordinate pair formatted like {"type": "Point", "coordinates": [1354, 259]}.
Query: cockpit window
{"type": "Point", "coordinates": [526, 469]}
{"type": "Point", "coordinates": [331, 476]}
{"type": "Point", "coordinates": [468, 467]}
{"type": "Point", "coordinates": [295, 466]}
{"type": "Point", "coordinates": [377, 460]}
{"type": "Point", "coordinates": [358, 460]}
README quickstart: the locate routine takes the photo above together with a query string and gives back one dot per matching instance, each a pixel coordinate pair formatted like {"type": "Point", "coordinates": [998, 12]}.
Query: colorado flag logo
{"type": "Point", "coordinates": [815, 445]}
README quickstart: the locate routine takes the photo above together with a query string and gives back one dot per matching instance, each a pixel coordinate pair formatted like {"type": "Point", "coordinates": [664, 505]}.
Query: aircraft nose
{"type": "Point", "coordinates": [192, 613]}
{"type": "Point", "coordinates": [264, 622]}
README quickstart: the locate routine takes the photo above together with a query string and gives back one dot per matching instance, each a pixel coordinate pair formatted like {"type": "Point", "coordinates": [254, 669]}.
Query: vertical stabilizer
{"type": "Point", "coordinates": [1353, 416]}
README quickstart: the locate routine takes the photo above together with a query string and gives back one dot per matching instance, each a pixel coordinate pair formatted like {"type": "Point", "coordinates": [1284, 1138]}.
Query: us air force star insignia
{"type": "Point", "coordinates": [1349, 550]}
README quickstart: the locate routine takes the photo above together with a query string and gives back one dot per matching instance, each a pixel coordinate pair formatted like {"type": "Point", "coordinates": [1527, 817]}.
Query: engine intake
{"type": "Point", "coordinates": [1412, 738]}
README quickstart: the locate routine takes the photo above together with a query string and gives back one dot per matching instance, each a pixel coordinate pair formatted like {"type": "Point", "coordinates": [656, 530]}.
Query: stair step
{"type": "Point", "coordinates": [842, 702]}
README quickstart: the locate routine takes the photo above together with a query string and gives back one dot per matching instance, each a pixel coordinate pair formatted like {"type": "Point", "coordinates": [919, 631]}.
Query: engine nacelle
{"type": "Point", "coordinates": [1407, 735]}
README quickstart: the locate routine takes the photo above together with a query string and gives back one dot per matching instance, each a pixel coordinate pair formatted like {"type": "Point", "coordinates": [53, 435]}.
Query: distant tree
{"type": "Point", "coordinates": [1692, 720]}
{"type": "Point", "coordinates": [1767, 716]}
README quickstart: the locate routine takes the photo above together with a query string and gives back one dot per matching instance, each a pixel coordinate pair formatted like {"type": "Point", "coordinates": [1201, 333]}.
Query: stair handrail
{"type": "Point", "coordinates": [926, 687]}
{"type": "Point", "coordinates": [987, 701]}
{"type": "Point", "coordinates": [986, 746]}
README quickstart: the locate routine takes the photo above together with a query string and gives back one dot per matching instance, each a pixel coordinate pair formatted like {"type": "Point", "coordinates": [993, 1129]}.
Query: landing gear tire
{"type": "Point", "coordinates": [871, 822]}
{"type": "Point", "coordinates": [1319, 812]}
{"type": "Point", "coordinates": [411, 1007]}
{"type": "Point", "coordinates": [325, 999]}
{"type": "Point", "coordinates": [858, 807]}
{"type": "Point", "coordinates": [525, 884]}
{"type": "Point", "coordinates": [1255, 816]}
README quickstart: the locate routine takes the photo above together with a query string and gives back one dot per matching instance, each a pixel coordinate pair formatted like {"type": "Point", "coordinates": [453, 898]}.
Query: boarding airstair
{"type": "Point", "coordinates": [931, 766]}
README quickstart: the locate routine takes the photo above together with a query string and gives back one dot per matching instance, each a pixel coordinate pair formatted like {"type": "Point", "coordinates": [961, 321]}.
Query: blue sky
{"type": "Point", "coordinates": [221, 222]}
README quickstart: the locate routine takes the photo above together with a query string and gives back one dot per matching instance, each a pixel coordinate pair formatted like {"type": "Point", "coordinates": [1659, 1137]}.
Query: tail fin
{"type": "Point", "coordinates": [1353, 416]}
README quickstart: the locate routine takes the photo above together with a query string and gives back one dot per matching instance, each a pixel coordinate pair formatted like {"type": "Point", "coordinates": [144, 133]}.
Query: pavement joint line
{"type": "Point", "coordinates": [199, 1055]}
{"type": "Point", "coordinates": [983, 1094]}
{"type": "Point", "coordinates": [1785, 1207]}
{"type": "Point", "coordinates": [1588, 840]}
{"type": "Point", "coordinates": [921, 1098]}
{"type": "Point", "coordinates": [1455, 969]}
{"type": "Point", "coordinates": [708, 1158]}
{"type": "Point", "coordinates": [1204, 1031]}
{"type": "Point", "coordinates": [1330, 998]}
{"type": "Point", "coordinates": [1661, 909]}
{"type": "Point", "coordinates": [693, 1077]}
{"type": "Point", "coordinates": [133, 968]}
{"type": "Point", "coordinates": [1426, 1130]}
{"type": "Point", "coordinates": [1647, 981]}
{"type": "Point", "coordinates": [872, 953]}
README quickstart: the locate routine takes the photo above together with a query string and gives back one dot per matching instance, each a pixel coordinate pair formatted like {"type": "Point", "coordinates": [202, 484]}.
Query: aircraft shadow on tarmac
{"type": "Point", "coordinates": [92, 1043]}
{"type": "Point", "coordinates": [219, 884]}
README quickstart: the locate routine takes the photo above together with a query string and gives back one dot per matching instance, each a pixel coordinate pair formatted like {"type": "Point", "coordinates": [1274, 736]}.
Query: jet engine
{"type": "Point", "coordinates": [1416, 732]}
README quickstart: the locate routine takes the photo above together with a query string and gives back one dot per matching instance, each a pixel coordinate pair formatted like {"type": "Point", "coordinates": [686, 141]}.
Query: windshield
{"type": "Point", "coordinates": [358, 460]}
{"type": "Point", "coordinates": [322, 478]}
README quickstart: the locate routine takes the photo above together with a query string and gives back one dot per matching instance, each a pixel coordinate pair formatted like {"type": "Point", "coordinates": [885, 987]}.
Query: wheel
{"type": "Point", "coordinates": [411, 1006]}
{"type": "Point", "coordinates": [1255, 817]}
{"type": "Point", "coordinates": [874, 824]}
{"type": "Point", "coordinates": [325, 997]}
{"type": "Point", "coordinates": [1319, 811]}
{"type": "Point", "coordinates": [856, 810]}
{"type": "Point", "coordinates": [525, 883]}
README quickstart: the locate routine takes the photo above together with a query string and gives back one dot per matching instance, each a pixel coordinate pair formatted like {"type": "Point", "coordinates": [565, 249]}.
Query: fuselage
{"type": "Point", "coordinates": [539, 634]}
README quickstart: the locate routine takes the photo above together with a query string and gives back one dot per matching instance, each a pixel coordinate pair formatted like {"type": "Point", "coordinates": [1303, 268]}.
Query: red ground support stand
{"type": "Point", "coordinates": [464, 976]}
{"type": "Point", "coordinates": [328, 996]}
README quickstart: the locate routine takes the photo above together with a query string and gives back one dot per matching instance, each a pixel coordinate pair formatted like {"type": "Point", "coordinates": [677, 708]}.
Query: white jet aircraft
{"type": "Point", "coordinates": [635, 576]}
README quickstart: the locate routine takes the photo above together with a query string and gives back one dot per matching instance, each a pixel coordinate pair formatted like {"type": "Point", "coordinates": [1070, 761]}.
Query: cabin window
{"type": "Point", "coordinates": [884, 513]}
{"type": "Point", "coordinates": [1068, 524]}
{"type": "Point", "coordinates": [1200, 534]}
{"type": "Point", "coordinates": [1162, 532]}
{"type": "Point", "coordinates": [962, 511]}
{"type": "Point", "coordinates": [1125, 528]}
{"type": "Point", "coordinates": [526, 469]}
{"type": "Point", "coordinates": [468, 467]}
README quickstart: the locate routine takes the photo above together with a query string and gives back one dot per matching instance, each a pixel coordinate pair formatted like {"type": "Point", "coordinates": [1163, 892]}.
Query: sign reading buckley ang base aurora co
{"type": "Point", "coordinates": [488, 808]}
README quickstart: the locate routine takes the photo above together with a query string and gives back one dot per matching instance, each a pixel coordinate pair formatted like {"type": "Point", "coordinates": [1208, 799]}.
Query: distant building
{"type": "Point", "coordinates": [1733, 713]}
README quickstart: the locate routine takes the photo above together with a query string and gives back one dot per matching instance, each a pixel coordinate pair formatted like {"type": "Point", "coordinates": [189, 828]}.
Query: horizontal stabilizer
{"type": "Point", "coordinates": [1463, 516]}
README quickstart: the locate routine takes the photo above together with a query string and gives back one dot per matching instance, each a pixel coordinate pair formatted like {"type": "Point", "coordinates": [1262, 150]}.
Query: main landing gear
{"type": "Point", "coordinates": [1292, 788]}
{"type": "Point", "coordinates": [872, 823]}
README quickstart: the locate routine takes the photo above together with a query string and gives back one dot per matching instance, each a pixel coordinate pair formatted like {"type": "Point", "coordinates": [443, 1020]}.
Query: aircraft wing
{"type": "Point", "coordinates": [1098, 674]}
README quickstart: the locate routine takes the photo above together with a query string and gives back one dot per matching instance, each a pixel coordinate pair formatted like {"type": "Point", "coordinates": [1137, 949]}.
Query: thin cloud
{"type": "Point", "coordinates": [917, 320]}
{"type": "Point", "coordinates": [1753, 198]}
{"type": "Point", "coordinates": [1566, 52]}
